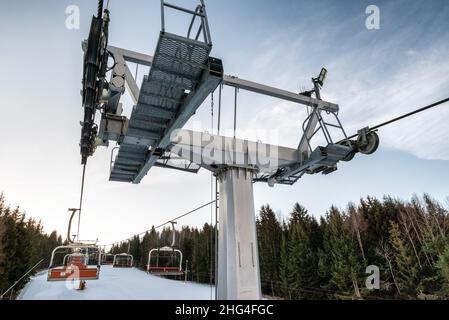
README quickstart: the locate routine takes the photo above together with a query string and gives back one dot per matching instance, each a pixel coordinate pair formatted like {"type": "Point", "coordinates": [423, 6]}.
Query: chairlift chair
{"type": "Point", "coordinates": [107, 259]}
{"type": "Point", "coordinates": [81, 263]}
{"type": "Point", "coordinates": [123, 260]}
{"type": "Point", "coordinates": [166, 261]}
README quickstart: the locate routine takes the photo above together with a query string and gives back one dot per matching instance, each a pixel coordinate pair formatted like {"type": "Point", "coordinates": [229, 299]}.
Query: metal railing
{"type": "Point", "coordinates": [200, 12]}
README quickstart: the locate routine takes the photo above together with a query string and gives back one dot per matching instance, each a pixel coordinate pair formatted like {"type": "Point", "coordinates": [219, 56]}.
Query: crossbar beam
{"type": "Point", "coordinates": [243, 84]}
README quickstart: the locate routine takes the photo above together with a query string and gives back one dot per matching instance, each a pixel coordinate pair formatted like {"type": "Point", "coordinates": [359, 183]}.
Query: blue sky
{"type": "Point", "coordinates": [373, 75]}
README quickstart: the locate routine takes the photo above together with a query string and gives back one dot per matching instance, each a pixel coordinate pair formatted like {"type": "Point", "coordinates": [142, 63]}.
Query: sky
{"type": "Point", "coordinates": [374, 75]}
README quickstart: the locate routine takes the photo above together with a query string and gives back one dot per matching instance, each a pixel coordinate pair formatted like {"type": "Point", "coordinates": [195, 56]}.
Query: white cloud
{"type": "Point", "coordinates": [371, 83]}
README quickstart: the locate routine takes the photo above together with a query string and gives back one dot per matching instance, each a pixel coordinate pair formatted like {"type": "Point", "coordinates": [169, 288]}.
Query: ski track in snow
{"type": "Point", "coordinates": [116, 284]}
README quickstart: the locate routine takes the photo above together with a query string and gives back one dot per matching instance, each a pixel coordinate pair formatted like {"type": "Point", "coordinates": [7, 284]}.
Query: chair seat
{"type": "Point", "coordinates": [73, 273]}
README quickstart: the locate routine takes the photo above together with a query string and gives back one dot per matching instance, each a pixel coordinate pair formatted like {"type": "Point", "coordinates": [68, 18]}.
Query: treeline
{"type": "Point", "coordinates": [305, 258]}
{"type": "Point", "coordinates": [22, 245]}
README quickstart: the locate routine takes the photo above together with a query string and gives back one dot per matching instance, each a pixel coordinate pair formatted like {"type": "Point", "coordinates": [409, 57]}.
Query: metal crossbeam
{"type": "Point", "coordinates": [278, 93]}
{"type": "Point", "coordinates": [243, 84]}
{"type": "Point", "coordinates": [268, 162]}
{"type": "Point", "coordinates": [132, 56]}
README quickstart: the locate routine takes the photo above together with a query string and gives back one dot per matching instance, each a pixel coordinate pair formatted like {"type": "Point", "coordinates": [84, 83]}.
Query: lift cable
{"type": "Point", "coordinates": [165, 223]}
{"type": "Point", "coordinates": [100, 8]}
{"type": "Point", "coordinates": [403, 116]}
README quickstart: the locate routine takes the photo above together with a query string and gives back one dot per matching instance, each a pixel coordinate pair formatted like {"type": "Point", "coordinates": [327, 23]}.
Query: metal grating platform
{"type": "Point", "coordinates": [166, 101]}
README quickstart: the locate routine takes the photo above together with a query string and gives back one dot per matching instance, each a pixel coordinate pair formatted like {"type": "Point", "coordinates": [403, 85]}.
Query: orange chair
{"type": "Point", "coordinates": [75, 265]}
{"type": "Point", "coordinates": [165, 261]}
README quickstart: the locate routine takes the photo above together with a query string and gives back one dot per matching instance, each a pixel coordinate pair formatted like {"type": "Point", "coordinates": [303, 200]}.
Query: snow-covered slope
{"type": "Point", "coordinates": [116, 283]}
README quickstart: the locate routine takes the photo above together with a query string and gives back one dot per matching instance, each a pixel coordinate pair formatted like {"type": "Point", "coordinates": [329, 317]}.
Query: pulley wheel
{"type": "Point", "coordinates": [370, 145]}
{"type": "Point", "coordinates": [351, 154]}
{"type": "Point", "coordinates": [349, 157]}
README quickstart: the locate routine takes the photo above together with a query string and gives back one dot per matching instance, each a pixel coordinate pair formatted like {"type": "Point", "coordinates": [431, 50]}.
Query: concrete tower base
{"type": "Point", "coordinates": [238, 258]}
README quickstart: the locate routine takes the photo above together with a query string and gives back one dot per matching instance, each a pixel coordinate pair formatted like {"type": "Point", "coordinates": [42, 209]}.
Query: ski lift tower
{"type": "Point", "coordinates": [182, 75]}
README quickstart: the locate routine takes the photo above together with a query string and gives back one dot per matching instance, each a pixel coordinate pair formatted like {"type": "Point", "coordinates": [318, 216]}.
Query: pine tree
{"type": "Point", "coordinates": [135, 251]}
{"type": "Point", "coordinates": [284, 269]}
{"type": "Point", "coordinates": [346, 264]}
{"type": "Point", "coordinates": [145, 248]}
{"type": "Point", "coordinates": [377, 216]}
{"type": "Point", "coordinates": [302, 264]}
{"type": "Point", "coordinates": [407, 268]}
{"type": "Point", "coordinates": [324, 269]}
{"type": "Point", "coordinates": [269, 235]}
{"type": "Point", "coordinates": [186, 246]}
{"type": "Point", "coordinates": [443, 271]}
{"type": "Point", "coordinates": [3, 257]}
{"type": "Point", "coordinates": [203, 254]}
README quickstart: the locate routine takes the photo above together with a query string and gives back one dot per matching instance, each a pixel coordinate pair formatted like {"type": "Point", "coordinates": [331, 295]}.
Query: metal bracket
{"type": "Point", "coordinates": [112, 127]}
{"type": "Point", "coordinates": [322, 159]}
{"type": "Point", "coordinates": [172, 161]}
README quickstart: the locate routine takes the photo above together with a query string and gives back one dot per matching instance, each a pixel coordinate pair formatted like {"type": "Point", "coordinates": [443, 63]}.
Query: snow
{"type": "Point", "coordinates": [116, 284]}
